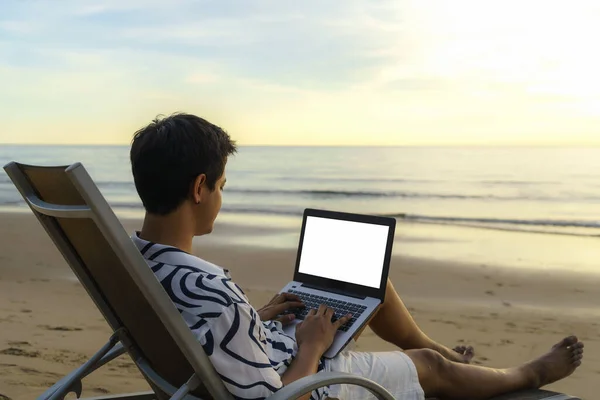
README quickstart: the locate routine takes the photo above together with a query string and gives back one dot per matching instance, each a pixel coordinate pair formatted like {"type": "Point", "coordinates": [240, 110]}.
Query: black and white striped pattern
{"type": "Point", "coordinates": [250, 355]}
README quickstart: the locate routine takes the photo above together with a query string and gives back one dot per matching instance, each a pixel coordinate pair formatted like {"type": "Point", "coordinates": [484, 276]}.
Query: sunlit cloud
{"type": "Point", "coordinates": [316, 72]}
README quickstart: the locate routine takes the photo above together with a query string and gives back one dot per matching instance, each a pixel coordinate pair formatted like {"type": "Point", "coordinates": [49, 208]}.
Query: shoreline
{"type": "Point", "coordinates": [510, 315]}
{"type": "Point", "coordinates": [562, 289]}
{"type": "Point", "coordinates": [516, 250]}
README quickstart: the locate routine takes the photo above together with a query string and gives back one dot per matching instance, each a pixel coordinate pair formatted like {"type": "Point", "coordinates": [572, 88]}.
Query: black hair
{"type": "Point", "coordinates": [169, 154]}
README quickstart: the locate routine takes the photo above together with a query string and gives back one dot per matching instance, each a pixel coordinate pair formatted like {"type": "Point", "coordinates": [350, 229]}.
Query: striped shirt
{"type": "Point", "coordinates": [250, 355]}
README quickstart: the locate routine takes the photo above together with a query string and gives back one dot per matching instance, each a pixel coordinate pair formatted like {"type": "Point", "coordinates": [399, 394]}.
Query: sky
{"type": "Point", "coordinates": [315, 72]}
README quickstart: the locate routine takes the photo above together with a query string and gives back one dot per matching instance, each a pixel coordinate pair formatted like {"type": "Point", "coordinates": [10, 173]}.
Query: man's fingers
{"type": "Point", "coordinates": [279, 308]}
{"type": "Point", "coordinates": [322, 309]}
{"type": "Point", "coordinates": [312, 312]}
{"type": "Point", "coordinates": [285, 297]}
{"type": "Point", "coordinates": [279, 298]}
{"type": "Point", "coordinates": [286, 319]}
{"type": "Point", "coordinates": [342, 321]}
{"type": "Point", "coordinates": [291, 297]}
{"type": "Point", "coordinates": [329, 313]}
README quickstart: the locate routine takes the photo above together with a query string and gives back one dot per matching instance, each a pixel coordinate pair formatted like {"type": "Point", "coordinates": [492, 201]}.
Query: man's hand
{"type": "Point", "coordinates": [317, 330]}
{"type": "Point", "coordinates": [278, 304]}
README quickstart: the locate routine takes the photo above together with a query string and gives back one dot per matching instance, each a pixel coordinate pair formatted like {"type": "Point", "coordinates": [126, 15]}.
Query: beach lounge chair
{"type": "Point", "coordinates": [145, 323]}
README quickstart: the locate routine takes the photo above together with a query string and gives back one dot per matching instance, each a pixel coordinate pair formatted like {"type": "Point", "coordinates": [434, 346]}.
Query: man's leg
{"type": "Point", "coordinates": [393, 323]}
{"type": "Point", "coordinates": [450, 380]}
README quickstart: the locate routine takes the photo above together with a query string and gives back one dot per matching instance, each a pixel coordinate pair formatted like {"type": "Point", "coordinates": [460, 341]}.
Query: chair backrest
{"type": "Point", "coordinates": [107, 263]}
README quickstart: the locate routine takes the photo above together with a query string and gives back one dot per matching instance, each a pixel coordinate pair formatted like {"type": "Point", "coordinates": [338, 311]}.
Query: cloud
{"type": "Point", "coordinates": [202, 78]}
{"type": "Point", "coordinates": [361, 68]}
{"type": "Point", "coordinates": [18, 27]}
{"type": "Point", "coordinates": [319, 44]}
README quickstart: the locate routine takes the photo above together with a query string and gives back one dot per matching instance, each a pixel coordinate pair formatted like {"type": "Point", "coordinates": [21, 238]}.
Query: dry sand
{"type": "Point", "coordinates": [49, 325]}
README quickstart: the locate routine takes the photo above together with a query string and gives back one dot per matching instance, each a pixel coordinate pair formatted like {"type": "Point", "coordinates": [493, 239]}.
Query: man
{"type": "Point", "coordinates": [178, 165]}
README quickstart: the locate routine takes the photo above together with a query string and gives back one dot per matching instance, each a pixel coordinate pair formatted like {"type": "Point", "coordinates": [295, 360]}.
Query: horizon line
{"type": "Point", "coordinates": [513, 145]}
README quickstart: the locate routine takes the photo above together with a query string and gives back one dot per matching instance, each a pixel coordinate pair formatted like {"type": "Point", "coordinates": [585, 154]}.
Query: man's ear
{"type": "Point", "coordinates": [199, 188]}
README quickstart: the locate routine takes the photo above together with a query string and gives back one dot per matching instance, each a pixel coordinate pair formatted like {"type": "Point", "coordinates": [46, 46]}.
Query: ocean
{"type": "Point", "coordinates": [525, 207]}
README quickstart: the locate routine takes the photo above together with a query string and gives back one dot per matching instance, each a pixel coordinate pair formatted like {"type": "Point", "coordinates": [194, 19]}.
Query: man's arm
{"type": "Point", "coordinates": [305, 364]}
{"type": "Point", "coordinates": [314, 335]}
{"type": "Point", "coordinates": [237, 353]}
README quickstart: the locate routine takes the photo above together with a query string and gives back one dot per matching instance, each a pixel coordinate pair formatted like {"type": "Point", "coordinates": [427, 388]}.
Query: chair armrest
{"type": "Point", "coordinates": [307, 384]}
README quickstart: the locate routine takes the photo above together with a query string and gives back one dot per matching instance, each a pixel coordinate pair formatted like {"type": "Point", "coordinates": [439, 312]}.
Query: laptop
{"type": "Point", "coordinates": [343, 262]}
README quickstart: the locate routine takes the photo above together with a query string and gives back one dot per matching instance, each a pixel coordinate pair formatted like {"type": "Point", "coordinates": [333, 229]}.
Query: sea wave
{"type": "Point", "coordinates": [542, 226]}
{"type": "Point", "coordinates": [400, 194]}
{"type": "Point", "coordinates": [500, 221]}
{"type": "Point", "coordinates": [116, 184]}
{"type": "Point", "coordinates": [127, 188]}
{"type": "Point", "coordinates": [545, 226]}
{"type": "Point", "coordinates": [313, 179]}
{"type": "Point", "coordinates": [557, 223]}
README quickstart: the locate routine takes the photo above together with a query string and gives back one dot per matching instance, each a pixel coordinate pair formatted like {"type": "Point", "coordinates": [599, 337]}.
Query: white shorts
{"type": "Point", "coordinates": [393, 370]}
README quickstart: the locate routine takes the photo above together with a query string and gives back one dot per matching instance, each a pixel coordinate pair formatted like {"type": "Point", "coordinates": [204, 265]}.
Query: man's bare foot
{"type": "Point", "coordinates": [465, 354]}
{"type": "Point", "coordinates": [558, 363]}
{"type": "Point", "coordinates": [459, 354]}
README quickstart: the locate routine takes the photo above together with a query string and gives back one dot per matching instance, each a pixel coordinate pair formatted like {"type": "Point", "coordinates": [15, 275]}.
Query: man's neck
{"type": "Point", "coordinates": [175, 229]}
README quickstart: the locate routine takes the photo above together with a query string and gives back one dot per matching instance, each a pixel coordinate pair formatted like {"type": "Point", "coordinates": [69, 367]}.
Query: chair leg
{"type": "Point", "coordinates": [129, 396]}
{"type": "Point", "coordinates": [72, 382]}
{"type": "Point", "coordinates": [187, 387]}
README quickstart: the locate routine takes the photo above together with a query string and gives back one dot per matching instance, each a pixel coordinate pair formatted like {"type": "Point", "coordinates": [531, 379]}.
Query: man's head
{"type": "Point", "coordinates": [178, 164]}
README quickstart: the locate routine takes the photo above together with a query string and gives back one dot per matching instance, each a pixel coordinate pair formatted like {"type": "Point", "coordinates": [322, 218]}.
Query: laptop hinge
{"type": "Point", "coordinates": [336, 291]}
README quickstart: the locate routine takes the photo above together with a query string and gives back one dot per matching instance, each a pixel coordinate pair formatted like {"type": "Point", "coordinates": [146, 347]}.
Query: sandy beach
{"type": "Point", "coordinates": [50, 326]}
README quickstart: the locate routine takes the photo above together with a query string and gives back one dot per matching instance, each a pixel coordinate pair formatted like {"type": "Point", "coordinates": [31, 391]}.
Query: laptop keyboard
{"type": "Point", "coordinates": [340, 307]}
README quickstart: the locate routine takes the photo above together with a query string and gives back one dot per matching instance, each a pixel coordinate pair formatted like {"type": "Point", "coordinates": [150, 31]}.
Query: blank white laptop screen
{"type": "Point", "coordinates": [346, 251]}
